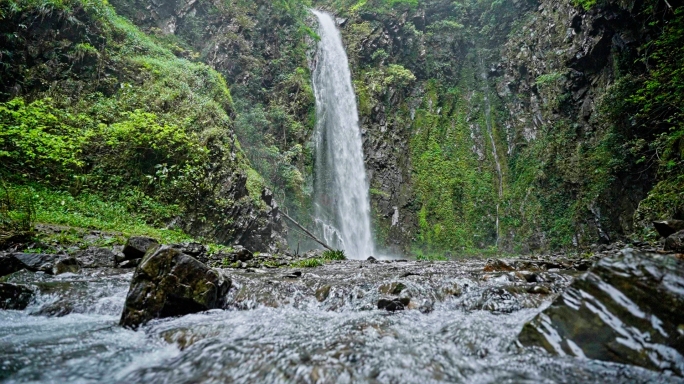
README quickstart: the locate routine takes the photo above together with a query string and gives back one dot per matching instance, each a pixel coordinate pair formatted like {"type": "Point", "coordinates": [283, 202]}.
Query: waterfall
{"type": "Point", "coordinates": [341, 186]}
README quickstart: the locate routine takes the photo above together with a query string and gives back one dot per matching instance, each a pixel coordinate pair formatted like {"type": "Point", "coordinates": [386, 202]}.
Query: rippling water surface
{"type": "Point", "coordinates": [297, 340]}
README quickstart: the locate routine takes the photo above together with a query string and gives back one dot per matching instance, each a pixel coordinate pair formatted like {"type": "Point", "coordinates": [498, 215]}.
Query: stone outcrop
{"type": "Point", "coordinates": [627, 309]}
{"type": "Point", "coordinates": [170, 283]}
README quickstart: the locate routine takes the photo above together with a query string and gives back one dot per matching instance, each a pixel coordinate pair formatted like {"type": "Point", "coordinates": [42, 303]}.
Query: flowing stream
{"type": "Point", "coordinates": [322, 327]}
{"type": "Point", "coordinates": [342, 200]}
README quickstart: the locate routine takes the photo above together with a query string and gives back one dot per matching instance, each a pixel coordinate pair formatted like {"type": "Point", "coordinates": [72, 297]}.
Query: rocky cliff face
{"type": "Point", "coordinates": [147, 125]}
{"type": "Point", "coordinates": [486, 126]}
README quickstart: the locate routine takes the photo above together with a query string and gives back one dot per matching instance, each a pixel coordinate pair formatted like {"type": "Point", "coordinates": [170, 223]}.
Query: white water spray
{"type": "Point", "coordinates": [342, 201]}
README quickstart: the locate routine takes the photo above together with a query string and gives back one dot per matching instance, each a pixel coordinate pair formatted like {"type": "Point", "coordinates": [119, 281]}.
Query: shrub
{"type": "Point", "coordinates": [17, 209]}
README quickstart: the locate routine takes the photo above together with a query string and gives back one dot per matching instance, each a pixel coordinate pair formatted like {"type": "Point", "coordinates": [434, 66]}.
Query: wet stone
{"type": "Point", "coordinates": [498, 265]}
{"type": "Point", "coordinates": [10, 264]}
{"type": "Point", "coordinates": [14, 296]}
{"type": "Point", "coordinates": [94, 257]}
{"type": "Point", "coordinates": [66, 265]}
{"type": "Point", "coordinates": [626, 309]}
{"type": "Point", "coordinates": [392, 288]}
{"type": "Point", "coordinates": [169, 283]}
{"type": "Point", "coordinates": [37, 262]}
{"type": "Point", "coordinates": [323, 292]}
{"type": "Point", "coordinates": [137, 246]}
{"type": "Point", "coordinates": [394, 304]}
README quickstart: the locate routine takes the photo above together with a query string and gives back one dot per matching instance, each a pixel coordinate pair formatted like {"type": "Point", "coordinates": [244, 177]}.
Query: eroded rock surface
{"type": "Point", "coordinates": [627, 309]}
{"type": "Point", "coordinates": [170, 283]}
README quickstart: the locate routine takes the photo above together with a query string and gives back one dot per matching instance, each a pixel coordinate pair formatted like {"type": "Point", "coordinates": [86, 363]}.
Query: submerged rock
{"type": "Point", "coordinates": [626, 309]}
{"type": "Point", "coordinates": [170, 283]}
{"type": "Point", "coordinates": [14, 296]}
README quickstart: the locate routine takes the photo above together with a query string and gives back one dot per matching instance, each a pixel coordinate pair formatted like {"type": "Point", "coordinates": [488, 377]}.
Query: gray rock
{"type": "Point", "coordinates": [626, 309]}
{"type": "Point", "coordinates": [666, 228]}
{"type": "Point", "coordinates": [94, 257]}
{"type": "Point", "coordinates": [137, 246]}
{"type": "Point", "coordinates": [675, 242]}
{"type": "Point", "coordinates": [37, 262]}
{"type": "Point", "coordinates": [170, 283]}
{"type": "Point", "coordinates": [14, 296]}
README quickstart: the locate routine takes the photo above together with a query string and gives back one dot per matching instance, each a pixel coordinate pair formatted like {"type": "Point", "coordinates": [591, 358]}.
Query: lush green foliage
{"type": "Point", "coordinates": [17, 210]}
{"type": "Point", "coordinates": [155, 138]}
{"type": "Point", "coordinates": [333, 255]}
{"type": "Point", "coordinates": [90, 211]}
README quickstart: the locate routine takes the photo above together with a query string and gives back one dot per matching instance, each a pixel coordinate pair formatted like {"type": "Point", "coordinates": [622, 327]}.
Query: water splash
{"type": "Point", "coordinates": [340, 182]}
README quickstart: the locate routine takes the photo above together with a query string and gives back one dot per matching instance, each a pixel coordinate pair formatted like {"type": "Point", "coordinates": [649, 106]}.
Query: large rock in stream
{"type": "Point", "coordinates": [170, 283]}
{"type": "Point", "coordinates": [627, 309]}
{"type": "Point", "coordinates": [51, 264]}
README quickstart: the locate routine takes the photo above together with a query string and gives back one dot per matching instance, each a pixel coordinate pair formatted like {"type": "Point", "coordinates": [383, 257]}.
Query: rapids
{"type": "Point", "coordinates": [321, 326]}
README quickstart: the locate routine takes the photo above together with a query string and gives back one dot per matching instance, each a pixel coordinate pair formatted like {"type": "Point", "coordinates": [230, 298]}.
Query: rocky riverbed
{"type": "Point", "coordinates": [612, 317]}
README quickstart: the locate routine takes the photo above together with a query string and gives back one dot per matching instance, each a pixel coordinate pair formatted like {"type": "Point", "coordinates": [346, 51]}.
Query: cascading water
{"type": "Point", "coordinates": [342, 201]}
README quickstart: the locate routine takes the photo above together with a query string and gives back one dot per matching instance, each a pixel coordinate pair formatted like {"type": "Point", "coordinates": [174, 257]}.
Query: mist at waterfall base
{"type": "Point", "coordinates": [342, 203]}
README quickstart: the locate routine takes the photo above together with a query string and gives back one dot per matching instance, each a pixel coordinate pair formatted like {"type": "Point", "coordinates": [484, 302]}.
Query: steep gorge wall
{"type": "Point", "coordinates": [486, 125]}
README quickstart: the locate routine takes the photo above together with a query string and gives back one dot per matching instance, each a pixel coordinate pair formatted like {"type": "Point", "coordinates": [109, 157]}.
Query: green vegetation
{"type": "Point", "coordinates": [333, 255]}
{"type": "Point", "coordinates": [134, 126]}
{"type": "Point", "coordinates": [155, 140]}
{"type": "Point", "coordinates": [17, 210]}
{"type": "Point", "coordinates": [584, 4]}
{"type": "Point", "coordinates": [307, 263]}
{"type": "Point", "coordinates": [92, 212]}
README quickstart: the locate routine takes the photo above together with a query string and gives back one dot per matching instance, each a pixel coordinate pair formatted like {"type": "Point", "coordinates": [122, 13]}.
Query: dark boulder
{"type": "Point", "coordinates": [14, 296]}
{"type": "Point", "coordinates": [94, 257]}
{"type": "Point", "coordinates": [137, 246]}
{"type": "Point", "coordinates": [10, 264]}
{"type": "Point", "coordinates": [39, 262]}
{"type": "Point", "coordinates": [666, 228]}
{"type": "Point", "coordinates": [394, 305]}
{"type": "Point", "coordinates": [675, 242]}
{"type": "Point", "coordinates": [627, 309]}
{"type": "Point", "coordinates": [170, 283]}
